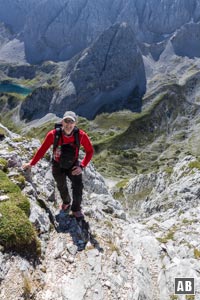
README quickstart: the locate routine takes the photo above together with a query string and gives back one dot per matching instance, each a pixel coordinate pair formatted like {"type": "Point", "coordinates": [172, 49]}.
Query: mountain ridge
{"type": "Point", "coordinates": [67, 28]}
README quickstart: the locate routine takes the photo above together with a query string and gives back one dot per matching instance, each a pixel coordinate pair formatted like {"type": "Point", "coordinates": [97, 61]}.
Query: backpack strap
{"type": "Point", "coordinates": [76, 137]}
{"type": "Point", "coordinates": [58, 135]}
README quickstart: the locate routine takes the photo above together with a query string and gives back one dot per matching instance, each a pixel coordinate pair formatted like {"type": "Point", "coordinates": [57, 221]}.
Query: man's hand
{"type": "Point", "coordinates": [27, 166]}
{"type": "Point", "coordinates": [76, 170]}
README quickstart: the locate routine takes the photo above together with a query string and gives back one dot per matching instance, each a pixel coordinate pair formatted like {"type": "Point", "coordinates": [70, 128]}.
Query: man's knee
{"type": "Point", "coordinates": [77, 179]}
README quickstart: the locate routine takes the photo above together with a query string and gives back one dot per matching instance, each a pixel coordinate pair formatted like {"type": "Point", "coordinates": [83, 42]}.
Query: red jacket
{"type": "Point", "coordinates": [49, 140]}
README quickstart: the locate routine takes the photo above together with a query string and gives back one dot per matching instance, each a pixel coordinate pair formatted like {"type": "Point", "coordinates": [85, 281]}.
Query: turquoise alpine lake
{"type": "Point", "coordinates": [14, 88]}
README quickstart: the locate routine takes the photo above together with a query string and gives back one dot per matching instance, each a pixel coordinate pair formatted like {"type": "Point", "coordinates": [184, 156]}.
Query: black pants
{"type": "Point", "coordinates": [60, 175]}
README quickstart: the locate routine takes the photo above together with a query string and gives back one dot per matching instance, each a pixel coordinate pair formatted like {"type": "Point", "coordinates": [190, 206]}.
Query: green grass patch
{"type": "Point", "coordinates": [196, 253]}
{"type": "Point", "coordinates": [16, 231]}
{"type": "Point", "coordinates": [173, 297]}
{"type": "Point", "coordinates": [194, 165]}
{"type": "Point", "coordinates": [6, 120]}
{"type": "Point", "coordinates": [169, 170]}
{"type": "Point", "coordinates": [10, 189]}
{"type": "Point", "coordinates": [168, 236]}
{"type": "Point", "coordinates": [121, 184]}
{"type": "Point", "coordinates": [190, 297]}
{"type": "Point", "coordinates": [3, 164]}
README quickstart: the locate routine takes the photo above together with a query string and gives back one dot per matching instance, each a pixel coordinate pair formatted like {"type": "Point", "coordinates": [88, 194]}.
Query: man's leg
{"type": "Point", "coordinates": [60, 178]}
{"type": "Point", "coordinates": [77, 191]}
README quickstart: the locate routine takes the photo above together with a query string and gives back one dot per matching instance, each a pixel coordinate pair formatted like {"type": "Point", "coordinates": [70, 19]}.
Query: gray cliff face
{"type": "Point", "coordinates": [186, 41]}
{"type": "Point", "coordinates": [4, 34]}
{"type": "Point", "coordinates": [14, 13]}
{"type": "Point", "coordinates": [36, 105]}
{"type": "Point", "coordinates": [159, 18]}
{"type": "Point", "coordinates": [106, 77]}
{"type": "Point", "coordinates": [58, 30]}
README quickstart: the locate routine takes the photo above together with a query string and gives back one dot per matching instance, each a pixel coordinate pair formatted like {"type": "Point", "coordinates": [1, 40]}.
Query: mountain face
{"type": "Point", "coordinates": [68, 27]}
{"type": "Point", "coordinates": [57, 30]}
{"type": "Point", "coordinates": [14, 13]}
{"type": "Point", "coordinates": [186, 41]}
{"type": "Point", "coordinates": [104, 69]}
{"type": "Point", "coordinates": [107, 76]}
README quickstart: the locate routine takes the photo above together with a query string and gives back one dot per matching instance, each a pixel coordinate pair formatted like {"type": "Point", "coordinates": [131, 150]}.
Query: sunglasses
{"type": "Point", "coordinates": [69, 121]}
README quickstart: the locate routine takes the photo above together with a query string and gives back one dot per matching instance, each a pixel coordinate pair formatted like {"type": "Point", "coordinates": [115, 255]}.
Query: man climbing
{"type": "Point", "coordinates": [66, 141]}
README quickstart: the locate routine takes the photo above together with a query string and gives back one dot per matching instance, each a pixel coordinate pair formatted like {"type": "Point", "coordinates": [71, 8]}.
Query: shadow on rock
{"type": "Point", "coordinates": [78, 229]}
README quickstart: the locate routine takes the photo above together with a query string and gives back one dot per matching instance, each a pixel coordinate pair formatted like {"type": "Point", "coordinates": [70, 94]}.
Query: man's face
{"type": "Point", "coordinates": [68, 125]}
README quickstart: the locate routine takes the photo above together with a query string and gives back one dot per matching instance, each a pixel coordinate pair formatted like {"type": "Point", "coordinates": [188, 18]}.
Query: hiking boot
{"type": "Point", "coordinates": [65, 207]}
{"type": "Point", "coordinates": [78, 214]}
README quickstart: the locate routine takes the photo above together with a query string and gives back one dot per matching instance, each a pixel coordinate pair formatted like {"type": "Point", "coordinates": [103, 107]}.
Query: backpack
{"type": "Point", "coordinates": [68, 151]}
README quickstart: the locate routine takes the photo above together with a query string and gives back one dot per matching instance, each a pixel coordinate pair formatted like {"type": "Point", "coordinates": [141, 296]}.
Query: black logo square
{"type": "Point", "coordinates": [184, 286]}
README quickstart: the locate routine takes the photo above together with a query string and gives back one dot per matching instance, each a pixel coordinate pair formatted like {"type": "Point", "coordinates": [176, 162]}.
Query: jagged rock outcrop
{"type": "Point", "coordinates": [4, 34]}
{"type": "Point", "coordinates": [36, 105]}
{"type": "Point", "coordinates": [11, 48]}
{"type": "Point", "coordinates": [26, 71]}
{"type": "Point", "coordinates": [106, 77]}
{"type": "Point", "coordinates": [186, 41]}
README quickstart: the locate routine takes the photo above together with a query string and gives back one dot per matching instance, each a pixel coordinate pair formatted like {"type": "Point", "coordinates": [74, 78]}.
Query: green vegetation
{"type": "Point", "coordinates": [168, 236]}
{"type": "Point", "coordinates": [154, 227]}
{"type": "Point", "coordinates": [194, 165]}
{"type": "Point", "coordinates": [40, 132]}
{"type": "Point", "coordinates": [121, 184]}
{"type": "Point", "coordinates": [173, 297]}
{"type": "Point", "coordinates": [20, 180]}
{"type": "Point", "coordinates": [16, 231]}
{"type": "Point", "coordinates": [109, 224]}
{"type": "Point", "coordinates": [113, 247]}
{"type": "Point", "coordinates": [35, 82]}
{"type": "Point", "coordinates": [3, 164]}
{"type": "Point", "coordinates": [13, 192]}
{"type": "Point", "coordinates": [190, 297]}
{"type": "Point", "coordinates": [128, 143]}
{"type": "Point", "coordinates": [196, 253]}
{"type": "Point", "coordinates": [139, 139]}
{"type": "Point", "coordinates": [2, 131]}
{"type": "Point", "coordinates": [6, 120]}
{"type": "Point", "coordinates": [168, 170]}
{"type": "Point", "coordinates": [27, 287]}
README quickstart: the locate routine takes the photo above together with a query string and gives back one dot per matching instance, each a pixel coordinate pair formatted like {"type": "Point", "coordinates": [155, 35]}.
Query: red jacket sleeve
{"type": "Point", "coordinates": [89, 151]}
{"type": "Point", "coordinates": [48, 141]}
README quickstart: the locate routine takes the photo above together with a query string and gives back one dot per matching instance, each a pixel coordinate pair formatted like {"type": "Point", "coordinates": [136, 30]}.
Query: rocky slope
{"type": "Point", "coordinates": [122, 253]}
